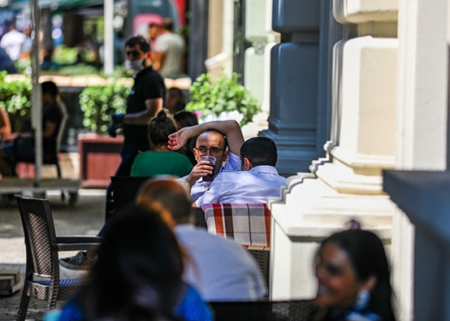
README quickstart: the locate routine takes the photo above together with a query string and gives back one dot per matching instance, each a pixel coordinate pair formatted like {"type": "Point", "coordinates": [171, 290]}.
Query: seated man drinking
{"type": "Point", "coordinates": [221, 139]}
{"type": "Point", "coordinates": [258, 179]}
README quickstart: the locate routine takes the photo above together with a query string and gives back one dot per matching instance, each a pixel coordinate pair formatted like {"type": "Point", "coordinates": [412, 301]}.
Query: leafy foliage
{"type": "Point", "coordinates": [15, 98]}
{"type": "Point", "coordinates": [65, 55]}
{"type": "Point", "coordinates": [223, 95]}
{"type": "Point", "coordinates": [98, 103]}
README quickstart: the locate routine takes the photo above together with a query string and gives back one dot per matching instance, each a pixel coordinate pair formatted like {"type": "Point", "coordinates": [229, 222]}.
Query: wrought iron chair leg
{"type": "Point", "coordinates": [23, 308]}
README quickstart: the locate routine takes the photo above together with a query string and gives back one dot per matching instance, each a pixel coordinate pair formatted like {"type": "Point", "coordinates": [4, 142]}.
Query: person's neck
{"type": "Point", "coordinates": [162, 148]}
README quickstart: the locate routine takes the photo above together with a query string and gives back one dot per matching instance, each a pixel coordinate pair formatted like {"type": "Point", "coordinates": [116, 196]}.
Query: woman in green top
{"type": "Point", "coordinates": [160, 160]}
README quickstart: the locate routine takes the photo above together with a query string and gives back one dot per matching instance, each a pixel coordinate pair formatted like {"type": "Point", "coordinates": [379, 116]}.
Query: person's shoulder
{"type": "Point", "coordinates": [153, 75]}
{"type": "Point", "coordinates": [228, 174]}
{"type": "Point", "coordinates": [144, 155]}
{"type": "Point", "coordinates": [209, 239]}
{"type": "Point", "coordinates": [183, 158]}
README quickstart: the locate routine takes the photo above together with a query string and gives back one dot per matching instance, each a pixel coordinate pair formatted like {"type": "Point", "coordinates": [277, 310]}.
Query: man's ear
{"type": "Point", "coordinates": [148, 58]}
{"type": "Point", "coordinates": [196, 155]}
{"type": "Point", "coordinates": [225, 155]}
{"type": "Point", "coordinates": [247, 164]}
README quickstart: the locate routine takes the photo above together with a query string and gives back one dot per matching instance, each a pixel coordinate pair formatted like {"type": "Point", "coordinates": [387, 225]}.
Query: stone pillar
{"type": "Point", "coordinates": [220, 37]}
{"type": "Point", "coordinates": [198, 38]}
{"type": "Point", "coordinates": [294, 84]}
{"type": "Point", "coordinates": [422, 121]}
{"type": "Point", "coordinates": [423, 195]}
{"type": "Point", "coordinates": [347, 183]}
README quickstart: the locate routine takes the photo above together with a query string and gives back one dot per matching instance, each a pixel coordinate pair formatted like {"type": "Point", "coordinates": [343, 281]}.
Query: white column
{"type": "Point", "coordinates": [422, 119]}
{"type": "Point", "coordinates": [347, 184]}
{"type": "Point", "coordinates": [108, 48]}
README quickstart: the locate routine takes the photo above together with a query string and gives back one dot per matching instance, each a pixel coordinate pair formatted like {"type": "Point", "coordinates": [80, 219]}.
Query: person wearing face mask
{"type": "Point", "coordinates": [144, 102]}
{"type": "Point", "coordinates": [146, 99]}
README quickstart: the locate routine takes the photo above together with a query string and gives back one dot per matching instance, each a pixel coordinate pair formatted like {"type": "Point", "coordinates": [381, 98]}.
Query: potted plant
{"type": "Point", "coordinates": [99, 153]}
{"type": "Point", "coordinates": [15, 98]}
{"type": "Point", "coordinates": [224, 98]}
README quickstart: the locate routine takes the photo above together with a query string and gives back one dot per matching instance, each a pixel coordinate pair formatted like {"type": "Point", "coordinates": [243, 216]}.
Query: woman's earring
{"type": "Point", "coordinates": [362, 299]}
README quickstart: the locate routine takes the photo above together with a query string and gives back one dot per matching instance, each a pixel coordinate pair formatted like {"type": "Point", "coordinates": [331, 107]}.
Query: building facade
{"type": "Point", "coordinates": [352, 87]}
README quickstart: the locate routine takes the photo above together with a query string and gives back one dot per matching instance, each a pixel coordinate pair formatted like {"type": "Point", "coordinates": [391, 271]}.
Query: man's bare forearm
{"type": "Point", "coordinates": [144, 117]}
{"type": "Point", "coordinates": [230, 128]}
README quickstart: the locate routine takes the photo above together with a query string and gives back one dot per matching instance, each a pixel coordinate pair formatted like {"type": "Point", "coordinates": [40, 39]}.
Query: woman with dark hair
{"type": "Point", "coordinates": [175, 100]}
{"type": "Point", "coordinates": [160, 160]}
{"type": "Point", "coordinates": [353, 277]}
{"type": "Point", "coordinates": [137, 275]}
{"type": "Point", "coordinates": [186, 119]}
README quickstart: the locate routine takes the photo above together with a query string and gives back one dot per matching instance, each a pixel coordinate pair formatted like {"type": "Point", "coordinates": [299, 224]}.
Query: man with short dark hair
{"type": "Point", "coordinates": [146, 99]}
{"type": "Point", "coordinates": [258, 179]}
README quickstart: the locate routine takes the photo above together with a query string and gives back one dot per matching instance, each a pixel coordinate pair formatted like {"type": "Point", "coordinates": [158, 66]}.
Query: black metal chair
{"type": "Point", "coordinates": [42, 279]}
{"type": "Point", "coordinates": [125, 189]}
{"type": "Point", "coordinates": [296, 310]}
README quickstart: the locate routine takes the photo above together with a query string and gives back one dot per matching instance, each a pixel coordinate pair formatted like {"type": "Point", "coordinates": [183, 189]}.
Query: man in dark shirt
{"type": "Point", "coordinates": [146, 99]}
{"type": "Point", "coordinates": [144, 102]}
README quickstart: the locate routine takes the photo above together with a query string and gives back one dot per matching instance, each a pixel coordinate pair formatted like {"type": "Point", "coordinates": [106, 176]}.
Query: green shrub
{"type": "Point", "coordinates": [65, 55]}
{"type": "Point", "coordinates": [223, 95]}
{"type": "Point", "coordinates": [15, 98]}
{"type": "Point", "coordinates": [98, 103]}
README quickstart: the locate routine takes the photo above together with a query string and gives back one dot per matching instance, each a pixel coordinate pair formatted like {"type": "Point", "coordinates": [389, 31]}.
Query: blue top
{"type": "Point", "coordinates": [191, 308]}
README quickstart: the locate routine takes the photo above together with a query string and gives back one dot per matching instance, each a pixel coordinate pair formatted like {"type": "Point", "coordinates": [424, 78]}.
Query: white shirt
{"type": "Point", "coordinates": [220, 269]}
{"type": "Point", "coordinates": [233, 163]}
{"type": "Point", "coordinates": [253, 186]}
{"type": "Point", "coordinates": [172, 45]}
{"type": "Point", "coordinates": [12, 42]}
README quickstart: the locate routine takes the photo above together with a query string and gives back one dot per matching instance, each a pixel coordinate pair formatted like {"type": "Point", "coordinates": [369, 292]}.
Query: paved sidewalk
{"type": "Point", "coordinates": [85, 218]}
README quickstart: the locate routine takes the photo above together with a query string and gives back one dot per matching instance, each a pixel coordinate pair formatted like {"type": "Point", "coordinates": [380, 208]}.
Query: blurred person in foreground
{"type": "Point", "coordinates": [353, 277]}
{"type": "Point", "coordinates": [155, 162]}
{"type": "Point", "coordinates": [221, 269]}
{"type": "Point", "coordinates": [137, 276]}
{"type": "Point", "coordinates": [160, 160]}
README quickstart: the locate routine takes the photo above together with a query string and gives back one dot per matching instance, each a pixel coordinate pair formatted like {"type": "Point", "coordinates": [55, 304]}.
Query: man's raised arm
{"type": "Point", "coordinates": [229, 128]}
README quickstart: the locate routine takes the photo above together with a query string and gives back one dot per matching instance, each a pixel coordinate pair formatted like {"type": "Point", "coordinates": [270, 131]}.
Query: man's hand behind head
{"type": "Point", "coordinates": [179, 138]}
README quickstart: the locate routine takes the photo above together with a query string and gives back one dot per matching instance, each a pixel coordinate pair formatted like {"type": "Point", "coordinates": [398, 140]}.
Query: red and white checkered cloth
{"type": "Point", "coordinates": [247, 224]}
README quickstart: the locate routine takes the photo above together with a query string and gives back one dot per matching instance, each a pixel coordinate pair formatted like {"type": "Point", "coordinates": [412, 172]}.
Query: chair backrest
{"type": "Point", "coordinates": [296, 310]}
{"type": "Point", "coordinates": [199, 217]}
{"type": "Point", "coordinates": [39, 231]}
{"type": "Point", "coordinates": [247, 224]}
{"type": "Point", "coordinates": [125, 189]}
